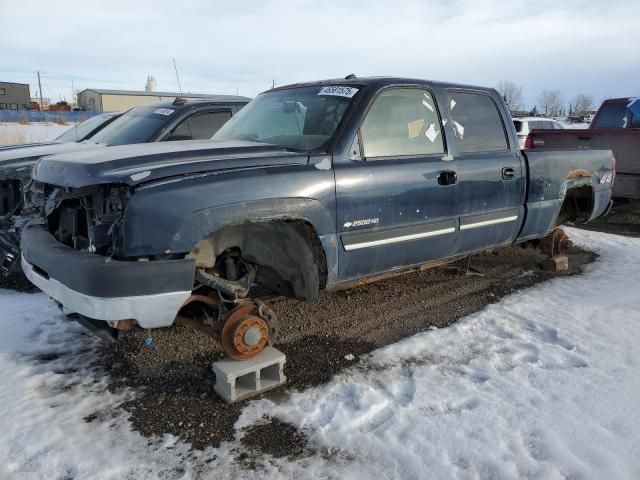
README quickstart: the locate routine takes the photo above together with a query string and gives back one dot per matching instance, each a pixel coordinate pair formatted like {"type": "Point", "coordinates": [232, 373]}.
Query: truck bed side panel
{"type": "Point", "coordinates": [552, 173]}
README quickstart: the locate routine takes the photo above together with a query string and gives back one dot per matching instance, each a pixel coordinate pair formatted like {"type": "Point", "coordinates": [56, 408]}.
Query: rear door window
{"type": "Point", "coordinates": [200, 126]}
{"type": "Point", "coordinates": [477, 123]}
{"type": "Point", "coordinates": [402, 122]}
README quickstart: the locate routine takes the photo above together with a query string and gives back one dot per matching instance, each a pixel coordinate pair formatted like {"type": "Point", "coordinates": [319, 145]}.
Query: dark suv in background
{"type": "Point", "coordinates": [181, 119]}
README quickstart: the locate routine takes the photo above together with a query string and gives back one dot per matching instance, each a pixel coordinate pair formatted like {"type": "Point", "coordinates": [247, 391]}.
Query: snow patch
{"type": "Point", "coordinates": [543, 384]}
{"type": "Point", "coordinates": [15, 133]}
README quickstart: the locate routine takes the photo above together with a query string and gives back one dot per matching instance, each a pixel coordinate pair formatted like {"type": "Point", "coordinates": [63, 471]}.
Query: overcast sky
{"type": "Point", "coordinates": [576, 46]}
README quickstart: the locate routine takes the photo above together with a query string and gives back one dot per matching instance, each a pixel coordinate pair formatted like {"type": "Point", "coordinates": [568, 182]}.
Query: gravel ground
{"type": "Point", "coordinates": [173, 378]}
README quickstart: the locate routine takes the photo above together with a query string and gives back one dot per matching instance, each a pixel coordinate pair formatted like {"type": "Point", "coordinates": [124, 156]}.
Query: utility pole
{"type": "Point", "coordinates": [40, 88]}
{"type": "Point", "coordinates": [73, 94]}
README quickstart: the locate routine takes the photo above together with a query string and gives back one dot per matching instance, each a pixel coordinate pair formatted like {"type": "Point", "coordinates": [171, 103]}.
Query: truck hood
{"type": "Point", "coordinates": [142, 163]}
{"type": "Point", "coordinates": [24, 156]}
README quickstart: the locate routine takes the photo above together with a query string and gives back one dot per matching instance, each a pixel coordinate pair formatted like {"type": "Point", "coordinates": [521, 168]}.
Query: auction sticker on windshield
{"type": "Point", "coordinates": [163, 111]}
{"type": "Point", "coordinates": [338, 91]}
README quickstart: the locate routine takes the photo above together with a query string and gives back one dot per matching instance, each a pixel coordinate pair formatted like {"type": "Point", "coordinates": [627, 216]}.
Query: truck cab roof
{"type": "Point", "coordinates": [382, 81]}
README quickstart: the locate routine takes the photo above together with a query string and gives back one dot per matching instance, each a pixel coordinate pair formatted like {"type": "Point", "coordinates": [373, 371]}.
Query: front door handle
{"type": "Point", "coordinates": [508, 173]}
{"type": "Point", "coordinates": [447, 177]}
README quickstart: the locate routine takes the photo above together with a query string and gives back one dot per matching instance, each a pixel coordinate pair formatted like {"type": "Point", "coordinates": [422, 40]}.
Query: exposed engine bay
{"type": "Point", "coordinates": [84, 219]}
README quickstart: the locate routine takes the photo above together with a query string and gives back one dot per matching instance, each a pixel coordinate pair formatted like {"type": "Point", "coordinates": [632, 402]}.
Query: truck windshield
{"type": "Point", "coordinates": [611, 115]}
{"type": "Point", "coordinates": [81, 130]}
{"type": "Point", "coordinates": [138, 125]}
{"type": "Point", "coordinates": [302, 118]}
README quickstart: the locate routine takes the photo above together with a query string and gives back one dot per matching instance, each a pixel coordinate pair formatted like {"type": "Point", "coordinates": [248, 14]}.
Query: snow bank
{"type": "Point", "coordinates": [14, 133]}
{"type": "Point", "coordinates": [49, 387]}
{"type": "Point", "coordinates": [543, 384]}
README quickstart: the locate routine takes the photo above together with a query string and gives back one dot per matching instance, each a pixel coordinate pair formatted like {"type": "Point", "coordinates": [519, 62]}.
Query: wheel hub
{"type": "Point", "coordinates": [244, 334]}
{"type": "Point", "coordinates": [252, 336]}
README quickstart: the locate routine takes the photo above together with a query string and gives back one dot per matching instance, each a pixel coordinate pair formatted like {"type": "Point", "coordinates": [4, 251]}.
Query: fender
{"type": "Point", "coordinates": [169, 218]}
{"type": "Point", "coordinates": [204, 222]}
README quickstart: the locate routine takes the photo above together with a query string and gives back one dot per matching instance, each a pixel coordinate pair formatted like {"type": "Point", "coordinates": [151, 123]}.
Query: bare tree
{"type": "Point", "coordinates": [582, 104]}
{"type": "Point", "coordinates": [551, 102]}
{"type": "Point", "coordinates": [511, 93]}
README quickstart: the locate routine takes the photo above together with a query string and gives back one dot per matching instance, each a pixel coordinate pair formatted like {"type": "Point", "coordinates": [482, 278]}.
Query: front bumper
{"type": "Point", "coordinates": [149, 292]}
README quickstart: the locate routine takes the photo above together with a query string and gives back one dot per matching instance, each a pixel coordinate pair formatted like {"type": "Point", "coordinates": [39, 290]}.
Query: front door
{"type": "Point", "coordinates": [396, 199]}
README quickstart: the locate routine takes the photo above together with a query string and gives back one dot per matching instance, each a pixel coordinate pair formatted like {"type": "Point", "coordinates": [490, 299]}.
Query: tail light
{"type": "Point", "coordinates": [533, 141]}
{"type": "Point", "coordinates": [613, 171]}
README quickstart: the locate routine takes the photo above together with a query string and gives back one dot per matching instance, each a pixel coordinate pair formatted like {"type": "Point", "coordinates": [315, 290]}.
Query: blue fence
{"type": "Point", "coordinates": [45, 116]}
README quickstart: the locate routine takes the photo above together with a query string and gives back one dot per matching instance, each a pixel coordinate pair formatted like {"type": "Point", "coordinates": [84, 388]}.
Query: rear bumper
{"type": "Point", "coordinates": [149, 292]}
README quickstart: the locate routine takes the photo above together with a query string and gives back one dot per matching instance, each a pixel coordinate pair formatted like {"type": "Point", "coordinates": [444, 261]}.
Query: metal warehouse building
{"type": "Point", "coordinates": [14, 96]}
{"type": "Point", "coordinates": [118, 100]}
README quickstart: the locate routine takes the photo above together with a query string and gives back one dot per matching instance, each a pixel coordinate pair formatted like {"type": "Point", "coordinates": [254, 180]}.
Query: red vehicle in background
{"type": "Point", "coordinates": [615, 127]}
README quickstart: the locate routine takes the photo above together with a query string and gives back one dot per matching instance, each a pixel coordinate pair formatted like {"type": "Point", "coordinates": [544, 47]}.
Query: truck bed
{"type": "Point", "coordinates": [552, 173]}
{"type": "Point", "coordinates": [624, 143]}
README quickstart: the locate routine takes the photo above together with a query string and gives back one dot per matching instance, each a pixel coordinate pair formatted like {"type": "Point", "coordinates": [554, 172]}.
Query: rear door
{"type": "Point", "coordinates": [491, 177]}
{"type": "Point", "coordinates": [396, 196]}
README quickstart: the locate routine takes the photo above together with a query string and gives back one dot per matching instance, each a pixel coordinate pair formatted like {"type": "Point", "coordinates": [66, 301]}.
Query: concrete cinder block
{"type": "Point", "coordinates": [559, 263]}
{"type": "Point", "coordinates": [240, 379]}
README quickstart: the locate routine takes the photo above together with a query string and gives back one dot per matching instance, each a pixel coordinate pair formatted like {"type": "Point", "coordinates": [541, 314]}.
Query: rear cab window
{"type": "Point", "coordinates": [477, 123]}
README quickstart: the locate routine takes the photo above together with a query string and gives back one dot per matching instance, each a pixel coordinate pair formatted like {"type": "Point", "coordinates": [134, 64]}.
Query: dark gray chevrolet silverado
{"type": "Point", "coordinates": [310, 186]}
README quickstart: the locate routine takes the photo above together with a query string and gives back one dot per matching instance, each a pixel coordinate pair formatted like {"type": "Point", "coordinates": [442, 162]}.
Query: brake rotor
{"type": "Point", "coordinates": [555, 243]}
{"type": "Point", "coordinates": [245, 333]}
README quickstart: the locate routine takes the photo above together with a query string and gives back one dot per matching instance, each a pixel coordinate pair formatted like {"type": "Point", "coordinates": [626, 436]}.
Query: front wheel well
{"type": "Point", "coordinates": [287, 253]}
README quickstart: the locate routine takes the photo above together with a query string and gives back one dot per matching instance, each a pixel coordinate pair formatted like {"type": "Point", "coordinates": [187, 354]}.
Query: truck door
{"type": "Point", "coordinates": [396, 196]}
{"type": "Point", "coordinates": [491, 177]}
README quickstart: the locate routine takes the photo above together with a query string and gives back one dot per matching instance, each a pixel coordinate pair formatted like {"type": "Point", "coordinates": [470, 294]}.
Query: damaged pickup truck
{"type": "Point", "coordinates": [179, 119]}
{"type": "Point", "coordinates": [310, 186]}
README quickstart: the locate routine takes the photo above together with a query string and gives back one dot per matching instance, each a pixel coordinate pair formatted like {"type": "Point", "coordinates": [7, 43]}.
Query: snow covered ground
{"type": "Point", "coordinates": [543, 384]}
{"type": "Point", "coordinates": [15, 133]}
{"type": "Point", "coordinates": [576, 125]}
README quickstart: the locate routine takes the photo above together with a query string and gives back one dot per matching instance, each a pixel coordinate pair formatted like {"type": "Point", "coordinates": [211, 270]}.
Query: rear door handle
{"type": "Point", "coordinates": [508, 173]}
{"type": "Point", "coordinates": [447, 177]}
